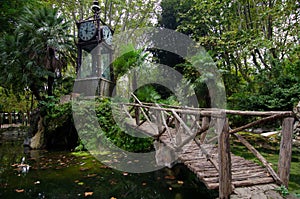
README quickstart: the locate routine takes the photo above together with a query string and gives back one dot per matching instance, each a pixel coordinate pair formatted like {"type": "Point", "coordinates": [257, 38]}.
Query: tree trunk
{"type": "Point", "coordinates": [50, 85]}
{"type": "Point", "coordinates": [35, 92]}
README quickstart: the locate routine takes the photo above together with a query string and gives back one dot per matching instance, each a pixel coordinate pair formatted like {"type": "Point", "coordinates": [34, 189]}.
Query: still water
{"type": "Point", "coordinates": [61, 175]}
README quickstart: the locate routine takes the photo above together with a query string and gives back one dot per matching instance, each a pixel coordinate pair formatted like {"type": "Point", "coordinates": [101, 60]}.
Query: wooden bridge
{"type": "Point", "coordinates": [199, 138]}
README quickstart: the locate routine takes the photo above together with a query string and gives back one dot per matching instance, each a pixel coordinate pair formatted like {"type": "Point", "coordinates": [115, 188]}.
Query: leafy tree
{"type": "Point", "coordinates": [252, 42]}
{"type": "Point", "coordinates": [10, 102]}
{"type": "Point", "coordinates": [121, 15]}
{"type": "Point", "coordinates": [38, 52]}
{"type": "Point", "coordinates": [10, 12]}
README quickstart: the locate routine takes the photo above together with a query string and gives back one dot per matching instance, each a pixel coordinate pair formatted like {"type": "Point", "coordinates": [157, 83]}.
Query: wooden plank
{"type": "Point", "coordinates": [244, 164]}
{"type": "Point", "coordinates": [225, 178]}
{"type": "Point", "coordinates": [248, 168]}
{"type": "Point", "coordinates": [252, 176]}
{"type": "Point", "coordinates": [251, 182]}
{"type": "Point", "coordinates": [243, 183]}
{"type": "Point", "coordinates": [285, 154]}
{"type": "Point", "coordinates": [212, 186]}
{"type": "Point", "coordinates": [202, 167]}
{"type": "Point", "coordinates": [208, 174]}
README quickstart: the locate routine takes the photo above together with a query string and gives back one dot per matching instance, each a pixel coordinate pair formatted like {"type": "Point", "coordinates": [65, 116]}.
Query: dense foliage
{"type": "Point", "coordinates": [255, 45]}
{"type": "Point", "coordinates": [35, 56]}
{"type": "Point", "coordinates": [60, 131]}
{"type": "Point", "coordinates": [106, 131]}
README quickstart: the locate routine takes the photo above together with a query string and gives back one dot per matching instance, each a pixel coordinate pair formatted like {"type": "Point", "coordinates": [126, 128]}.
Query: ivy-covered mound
{"type": "Point", "coordinates": [110, 132]}
{"type": "Point", "coordinates": [54, 128]}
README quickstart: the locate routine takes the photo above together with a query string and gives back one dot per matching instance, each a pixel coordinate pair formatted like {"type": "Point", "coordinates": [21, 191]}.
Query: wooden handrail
{"type": "Point", "coordinates": [213, 111]}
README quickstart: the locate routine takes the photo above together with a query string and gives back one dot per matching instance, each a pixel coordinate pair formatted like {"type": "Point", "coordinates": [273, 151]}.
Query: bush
{"type": "Point", "coordinates": [92, 137]}
{"type": "Point", "coordinates": [115, 134]}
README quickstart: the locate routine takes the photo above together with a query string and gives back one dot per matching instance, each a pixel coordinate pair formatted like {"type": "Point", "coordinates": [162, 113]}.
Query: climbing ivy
{"type": "Point", "coordinates": [114, 133]}
{"type": "Point", "coordinates": [108, 132]}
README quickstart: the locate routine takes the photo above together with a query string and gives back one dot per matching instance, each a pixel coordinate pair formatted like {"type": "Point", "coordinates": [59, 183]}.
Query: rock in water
{"type": "Point", "coordinates": [37, 140]}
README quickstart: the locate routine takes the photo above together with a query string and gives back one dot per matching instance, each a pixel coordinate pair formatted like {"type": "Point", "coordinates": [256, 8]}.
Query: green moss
{"type": "Point", "coordinates": [80, 153]}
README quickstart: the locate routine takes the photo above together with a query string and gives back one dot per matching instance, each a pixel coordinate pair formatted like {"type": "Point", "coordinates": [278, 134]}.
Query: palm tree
{"type": "Point", "coordinates": [45, 47]}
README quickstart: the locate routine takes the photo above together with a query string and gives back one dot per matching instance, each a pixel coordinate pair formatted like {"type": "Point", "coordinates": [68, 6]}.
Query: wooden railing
{"type": "Point", "coordinates": [193, 124]}
{"type": "Point", "coordinates": [13, 119]}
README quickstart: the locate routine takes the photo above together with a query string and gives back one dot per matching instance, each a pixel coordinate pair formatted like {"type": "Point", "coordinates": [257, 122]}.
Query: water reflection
{"type": "Point", "coordinates": [67, 175]}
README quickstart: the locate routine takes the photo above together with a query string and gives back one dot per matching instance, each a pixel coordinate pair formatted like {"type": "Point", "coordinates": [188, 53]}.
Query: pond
{"type": "Point", "coordinates": [63, 174]}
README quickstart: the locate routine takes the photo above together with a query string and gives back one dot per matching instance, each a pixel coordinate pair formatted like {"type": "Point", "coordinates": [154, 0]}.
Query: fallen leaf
{"type": "Point", "coordinates": [84, 169]}
{"type": "Point", "coordinates": [19, 190]}
{"type": "Point", "coordinates": [170, 177]}
{"type": "Point", "coordinates": [91, 175]}
{"type": "Point", "coordinates": [88, 194]}
{"type": "Point", "coordinates": [180, 182]}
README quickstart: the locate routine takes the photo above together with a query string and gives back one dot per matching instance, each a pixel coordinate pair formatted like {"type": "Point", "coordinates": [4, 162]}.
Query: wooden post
{"type": "Point", "coordinates": [225, 178]}
{"type": "Point", "coordinates": [159, 120]}
{"type": "Point", "coordinates": [178, 139]}
{"type": "Point", "coordinates": [137, 115]}
{"type": "Point", "coordinates": [24, 119]}
{"type": "Point", "coordinates": [9, 118]}
{"type": "Point", "coordinates": [205, 125]}
{"type": "Point", "coordinates": [285, 154]}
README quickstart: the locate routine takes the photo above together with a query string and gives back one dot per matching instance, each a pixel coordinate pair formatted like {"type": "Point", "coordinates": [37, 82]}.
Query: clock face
{"type": "Point", "coordinates": [87, 30]}
{"type": "Point", "coordinates": [107, 35]}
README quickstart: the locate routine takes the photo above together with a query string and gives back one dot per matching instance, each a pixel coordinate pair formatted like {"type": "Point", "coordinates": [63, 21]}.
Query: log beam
{"type": "Point", "coordinates": [285, 154]}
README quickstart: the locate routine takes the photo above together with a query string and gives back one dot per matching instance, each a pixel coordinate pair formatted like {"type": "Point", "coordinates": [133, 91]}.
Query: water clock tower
{"type": "Point", "coordinates": [94, 68]}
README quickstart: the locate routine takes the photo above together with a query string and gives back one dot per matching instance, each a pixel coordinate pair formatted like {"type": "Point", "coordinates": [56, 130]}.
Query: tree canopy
{"type": "Point", "coordinates": [36, 53]}
{"type": "Point", "coordinates": [254, 43]}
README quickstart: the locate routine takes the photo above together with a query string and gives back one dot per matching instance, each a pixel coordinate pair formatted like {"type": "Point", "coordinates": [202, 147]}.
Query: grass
{"type": "Point", "coordinates": [269, 148]}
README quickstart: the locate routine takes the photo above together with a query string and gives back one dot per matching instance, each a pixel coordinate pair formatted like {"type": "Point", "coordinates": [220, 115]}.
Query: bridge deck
{"type": "Point", "coordinates": [244, 172]}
